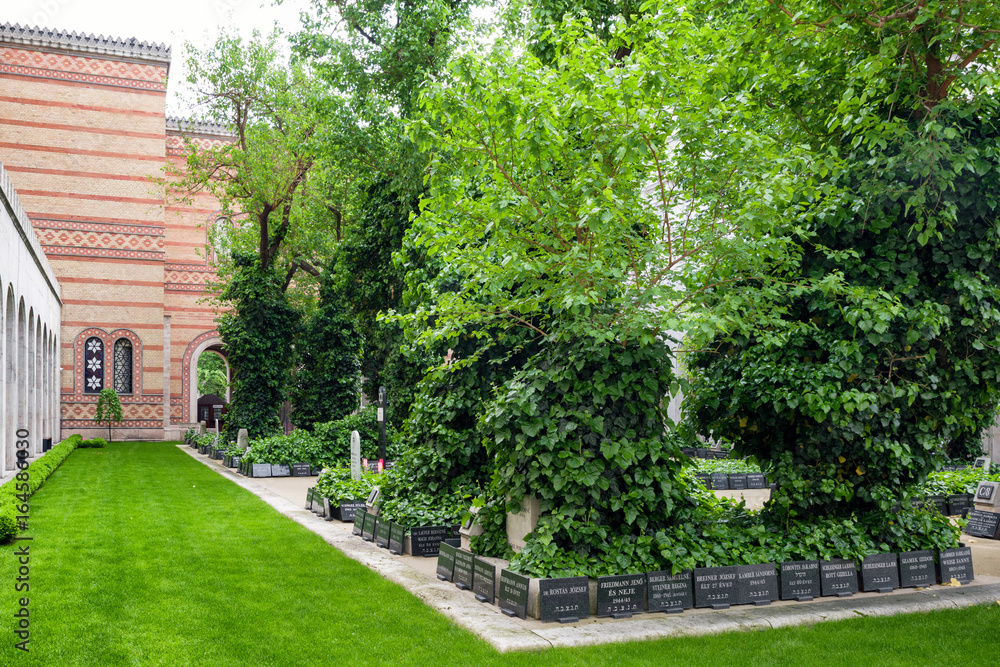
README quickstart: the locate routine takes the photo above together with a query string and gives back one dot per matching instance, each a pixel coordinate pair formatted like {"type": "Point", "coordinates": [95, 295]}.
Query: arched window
{"type": "Point", "coordinates": [93, 366]}
{"type": "Point", "coordinates": [123, 366]}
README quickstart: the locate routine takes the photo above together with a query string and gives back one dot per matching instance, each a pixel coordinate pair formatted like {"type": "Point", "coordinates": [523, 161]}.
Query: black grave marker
{"type": "Point", "coordinates": [672, 593]}
{"type": "Point", "coordinates": [621, 596]}
{"type": "Point", "coordinates": [705, 479]}
{"type": "Point", "coordinates": [838, 577]}
{"type": "Point", "coordinates": [368, 530]}
{"type": "Point", "coordinates": [800, 580]}
{"type": "Point", "coordinates": [956, 564]}
{"type": "Point", "coordinates": [756, 480]}
{"type": "Point", "coordinates": [309, 498]}
{"type": "Point", "coordinates": [301, 470]}
{"type": "Point", "coordinates": [958, 503]}
{"type": "Point", "coordinates": [720, 481]}
{"type": "Point", "coordinates": [937, 503]}
{"type": "Point", "coordinates": [382, 534]}
{"type": "Point", "coordinates": [756, 584]}
{"type": "Point", "coordinates": [348, 509]}
{"type": "Point", "coordinates": [261, 470]}
{"type": "Point", "coordinates": [737, 481]}
{"type": "Point", "coordinates": [715, 587]}
{"type": "Point", "coordinates": [485, 580]}
{"type": "Point", "coordinates": [983, 524]}
{"type": "Point", "coordinates": [513, 595]}
{"type": "Point", "coordinates": [702, 452]}
{"type": "Point", "coordinates": [446, 562]}
{"type": "Point", "coordinates": [396, 534]}
{"type": "Point", "coordinates": [464, 574]}
{"type": "Point", "coordinates": [280, 470]}
{"type": "Point", "coordinates": [359, 523]}
{"type": "Point", "coordinates": [566, 600]}
{"type": "Point", "coordinates": [880, 573]}
{"type": "Point", "coordinates": [424, 540]}
{"type": "Point", "coordinates": [916, 568]}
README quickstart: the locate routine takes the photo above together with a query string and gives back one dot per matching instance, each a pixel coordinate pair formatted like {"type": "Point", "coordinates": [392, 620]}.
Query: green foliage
{"type": "Point", "coordinates": [410, 507]}
{"type": "Point", "coordinates": [108, 409]}
{"type": "Point", "coordinates": [328, 378]}
{"type": "Point", "coordinates": [724, 465]}
{"type": "Point", "coordinates": [296, 447]}
{"type": "Point", "coordinates": [335, 437]}
{"type": "Point", "coordinates": [337, 485]}
{"type": "Point", "coordinates": [15, 492]}
{"type": "Point", "coordinates": [212, 375]}
{"type": "Point", "coordinates": [257, 332]}
{"type": "Point", "coordinates": [954, 481]}
{"type": "Point", "coordinates": [95, 443]}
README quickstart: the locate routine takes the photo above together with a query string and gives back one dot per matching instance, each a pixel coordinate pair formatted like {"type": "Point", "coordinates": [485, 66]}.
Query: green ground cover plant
{"type": "Point", "coordinates": [194, 570]}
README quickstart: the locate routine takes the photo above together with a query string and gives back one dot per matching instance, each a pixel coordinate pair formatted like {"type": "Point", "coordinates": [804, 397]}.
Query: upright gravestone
{"type": "Point", "coordinates": [715, 587]}
{"type": "Point", "coordinates": [621, 596]}
{"type": "Point", "coordinates": [446, 562]}
{"type": "Point", "coordinates": [988, 494]}
{"type": "Point", "coordinates": [566, 600]}
{"type": "Point", "coordinates": [359, 523]}
{"type": "Point", "coordinates": [424, 540]}
{"type": "Point", "coordinates": [382, 534]}
{"type": "Point", "coordinates": [464, 572]}
{"type": "Point", "coordinates": [800, 580]}
{"type": "Point", "coordinates": [368, 529]}
{"type": "Point", "coordinates": [956, 564]}
{"type": "Point", "coordinates": [484, 581]}
{"type": "Point", "coordinates": [880, 573]}
{"type": "Point", "coordinates": [983, 524]}
{"type": "Point", "coordinates": [737, 481]}
{"type": "Point", "coordinates": [838, 577]}
{"type": "Point", "coordinates": [355, 455]}
{"type": "Point", "coordinates": [916, 569]}
{"type": "Point", "coordinates": [720, 481]}
{"type": "Point", "coordinates": [670, 593]}
{"type": "Point", "coordinates": [513, 596]}
{"type": "Point", "coordinates": [396, 533]}
{"type": "Point", "coordinates": [982, 462]}
{"type": "Point", "coordinates": [756, 480]}
{"type": "Point", "coordinates": [756, 584]}
{"type": "Point", "coordinates": [243, 439]}
{"type": "Point", "coordinates": [261, 470]}
{"type": "Point", "coordinates": [959, 504]}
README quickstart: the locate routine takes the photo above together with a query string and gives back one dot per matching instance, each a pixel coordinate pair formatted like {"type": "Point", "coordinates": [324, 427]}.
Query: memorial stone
{"type": "Point", "coordinates": [800, 580]}
{"type": "Point", "coordinates": [424, 541]}
{"type": "Point", "coordinates": [464, 573]}
{"type": "Point", "coordinates": [280, 470]}
{"type": "Point", "coordinates": [359, 523]}
{"type": "Point", "coordinates": [756, 584]}
{"type": "Point", "coordinates": [705, 479]}
{"type": "Point", "coordinates": [301, 469]}
{"type": "Point", "coordinates": [838, 577]}
{"type": "Point", "coordinates": [714, 587]}
{"type": "Point", "coordinates": [309, 498]}
{"type": "Point", "coordinates": [355, 455]}
{"type": "Point", "coordinates": [566, 600]}
{"type": "Point", "coordinates": [880, 572]}
{"type": "Point", "coordinates": [737, 481]}
{"type": "Point", "coordinates": [671, 593]}
{"type": "Point", "coordinates": [982, 462]}
{"type": "Point", "coordinates": [720, 481]}
{"type": "Point", "coordinates": [702, 452]}
{"type": "Point", "coordinates": [446, 561]}
{"type": "Point", "coordinates": [916, 569]}
{"type": "Point", "coordinates": [261, 469]}
{"type": "Point", "coordinates": [937, 504]}
{"type": "Point", "coordinates": [513, 596]}
{"type": "Point", "coordinates": [983, 524]}
{"type": "Point", "coordinates": [368, 530]}
{"type": "Point", "coordinates": [382, 534]}
{"type": "Point", "coordinates": [987, 493]}
{"type": "Point", "coordinates": [959, 503]}
{"type": "Point", "coordinates": [621, 596]}
{"type": "Point", "coordinates": [956, 564]}
{"type": "Point", "coordinates": [484, 580]}
{"type": "Point", "coordinates": [396, 534]}
{"type": "Point", "coordinates": [347, 509]}
{"type": "Point", "coordinates": [756, 480]}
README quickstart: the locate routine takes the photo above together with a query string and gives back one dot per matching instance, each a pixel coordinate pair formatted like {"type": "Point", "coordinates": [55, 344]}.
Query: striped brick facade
{"type": "Point", "coordinates": [84, 138]}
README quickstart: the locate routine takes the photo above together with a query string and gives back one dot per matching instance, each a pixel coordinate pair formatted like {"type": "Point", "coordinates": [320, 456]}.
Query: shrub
{"type": "Point", "coordinates": [299, 445]}
{"type": "Point", "coordinates": [27, 482]}
{"type": "Point", "coordinates": [93, 443]}
{"type": "Point", "coordinates": [335, 437]}
{"type": "Point", "coordinates": [337, 485]}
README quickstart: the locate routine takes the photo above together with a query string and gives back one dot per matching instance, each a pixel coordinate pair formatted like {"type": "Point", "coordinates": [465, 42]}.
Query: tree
{"type": "Point", "coordinates": [109, 409]}
{"type": "Point", "coordinates": [212, 377]}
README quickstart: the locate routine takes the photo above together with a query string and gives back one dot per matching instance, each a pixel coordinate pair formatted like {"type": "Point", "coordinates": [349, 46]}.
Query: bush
{"type": "Point", "coordinates": [335, 437]}
{"type": "Point", "coordinates": [27, 482]}
{"type": "Point", "coordinates": [337, 485]}
{"type": "Point", "coordinates": [945, 483]}
{"type": "Point", "coordinates": [725, 465]}
{"type": "Point", "coordinates": [297, 446]}
{"type": "Point", "coordinates": [93, 443]}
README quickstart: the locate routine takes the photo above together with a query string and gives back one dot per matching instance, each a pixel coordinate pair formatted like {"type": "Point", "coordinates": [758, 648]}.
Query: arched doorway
{"type": "Point", "coordinates": [206, 342]}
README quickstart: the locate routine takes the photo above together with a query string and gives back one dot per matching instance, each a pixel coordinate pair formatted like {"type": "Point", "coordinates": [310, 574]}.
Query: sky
{"type": "Point", "coordinates": [172, 22]}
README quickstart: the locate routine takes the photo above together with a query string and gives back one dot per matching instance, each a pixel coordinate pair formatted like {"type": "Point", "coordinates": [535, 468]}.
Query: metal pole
{"type": "Point", "coordinates": [381, 427]}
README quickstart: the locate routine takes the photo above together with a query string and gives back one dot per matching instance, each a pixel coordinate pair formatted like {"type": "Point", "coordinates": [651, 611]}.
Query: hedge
{"type": "Point", "coordinates": [38, 471]}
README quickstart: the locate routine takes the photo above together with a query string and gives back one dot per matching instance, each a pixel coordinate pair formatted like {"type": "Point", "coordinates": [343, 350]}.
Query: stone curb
{"type": "Point", "coordinates": [506, 634]}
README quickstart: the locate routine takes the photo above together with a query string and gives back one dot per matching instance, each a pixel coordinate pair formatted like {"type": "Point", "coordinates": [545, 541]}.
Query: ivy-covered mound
{"type": "Point", "coordinates": [859, 398]}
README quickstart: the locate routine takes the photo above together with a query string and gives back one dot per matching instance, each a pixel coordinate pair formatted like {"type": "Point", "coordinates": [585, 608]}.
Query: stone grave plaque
{"type": "Point", "coordinates": [756, 584]}
{"type": "Point", "coordinates": [368, 528]}
{"type": "Point", "coordinates": [756, 480]}
{"type": "Point", "coordinates": [986, 493]}
{"type": "Point", "coordinates": [916, 569]}
{"type": "Point", "coordinates": [715, 587]}
{"type": "Point", "coordinates": [880, 573]}
{"type": "Point", "coordinates": [720, 481]}
{"type": "Point", "coordinates": [424, 540]}
{"type": "Point", "coordinates": [454, 541]}
{"type": "Point", "coordinates": [737, 481]}
{"type": "Point", "coordinates": [937, 504]}
{"type": "Point", "coordinates": [309, 498]}
{"type": "Point", "coordinates": [485, 580]}
{"type": "Point", "coordinates": [958, 503]}
{"type": "Point", "coordinates": [671, 593]}
{"type": "Point", "coordinates": [982, 462]}
{"type": "Point", "coordinates": [800, 580]}
{"type": "Point", "coordinates": [347, 509]}
{"type": "Point", "coordinates": [956, 564]}
{"type": "Point", "coordinates": [705, 479]}
{"type": "Point", "coordinates": [464, 574]}
{"type": "Point", "coordinates": [301, 470]}
{"type": "Point", "coordinates": [261, 470]}
{"type": "Point", "coordinates": [396, 534]}
{"type": "Point", "coordinates": [621, 596]}
{"type": "Point", "coordinates": [315, 471]}
{"type": "Point", "coordinates": [719, 454]}
{"type": "Point", "coordinates": [702, 452]}
{"type": "Point", "coordinates": [983, 524]}
{"type": "Point", "coordinates": [280, 470]}
{"type": "Point", "coordinates": [513, 596]}
{"type": "Point", "coordinates": [566, 600]}
{"type": "Point", "coordinates": [359, 523]}
{"type": "Point", "coordinates": [382, 533]}
{"type": "Point", "coordinates": [234, 462]}
{"type": "Point", "coordinates": [838, 577]}
{"type": "Point", "coordinates": [446, 562]}
{"type": "Point", "coordinates": [688, 451]}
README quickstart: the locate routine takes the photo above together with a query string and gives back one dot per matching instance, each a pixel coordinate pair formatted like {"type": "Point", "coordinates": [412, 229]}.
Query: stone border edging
{"type": "Point", "coordinates": [506, 634]}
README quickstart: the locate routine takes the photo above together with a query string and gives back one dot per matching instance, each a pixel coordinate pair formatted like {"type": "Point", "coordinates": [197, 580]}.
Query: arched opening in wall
{"type": "Point", "coordinates": [199, 361]}
{"type": "Point", "coordinates": [10, 380]}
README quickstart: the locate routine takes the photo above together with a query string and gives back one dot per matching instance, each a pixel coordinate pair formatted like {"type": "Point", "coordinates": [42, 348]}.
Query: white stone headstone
{"type": "Point", "coordinates": [243, 439]}
{"type": "Point", "coordinates": [202, 430]}
{"type": "Point", "coordinates": [355, 455]}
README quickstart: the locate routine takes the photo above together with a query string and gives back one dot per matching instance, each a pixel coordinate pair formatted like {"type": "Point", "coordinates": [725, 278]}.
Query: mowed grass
{"type": "Point", "coordinates": [143, 556]}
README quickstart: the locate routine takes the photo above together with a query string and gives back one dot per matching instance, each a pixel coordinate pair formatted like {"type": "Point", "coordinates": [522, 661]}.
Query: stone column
{"type": "Point", "coordinates": [166, 375]}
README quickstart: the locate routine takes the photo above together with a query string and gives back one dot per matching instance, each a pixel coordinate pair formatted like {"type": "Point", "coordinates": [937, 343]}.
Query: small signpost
{"type": "Point", "coordinates": [381, 428]}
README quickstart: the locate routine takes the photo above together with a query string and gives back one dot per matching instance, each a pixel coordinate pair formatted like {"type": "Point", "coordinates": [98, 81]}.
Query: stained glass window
{"type": "Point", "coordinates": [93, 366]}
{"type": "Point", "coordinates": [123, 366]}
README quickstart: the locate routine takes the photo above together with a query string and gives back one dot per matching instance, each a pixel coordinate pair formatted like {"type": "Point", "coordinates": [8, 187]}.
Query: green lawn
{"type": "Point", "coordinates": [143, 556]}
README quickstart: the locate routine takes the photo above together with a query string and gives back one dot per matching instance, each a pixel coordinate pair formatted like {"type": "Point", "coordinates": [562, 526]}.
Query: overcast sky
{"type": "Point", "coordinates": [172, 22]}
